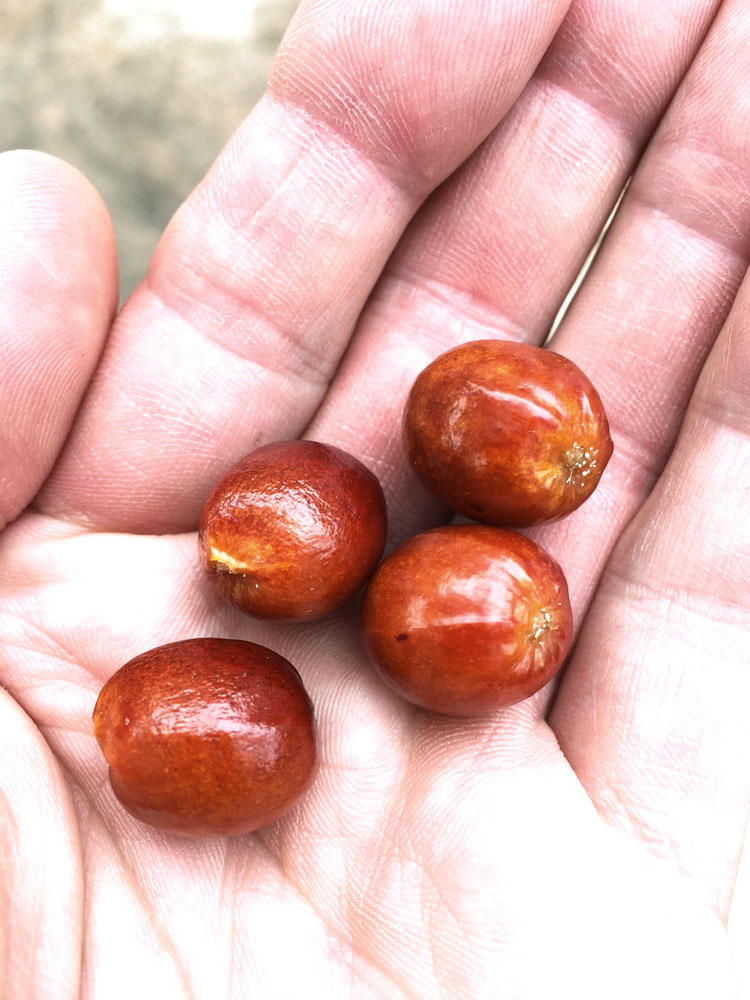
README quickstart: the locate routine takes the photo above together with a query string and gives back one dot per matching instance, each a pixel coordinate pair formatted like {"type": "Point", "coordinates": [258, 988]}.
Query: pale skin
{"type": "Point", "coordinates": [586, 843]}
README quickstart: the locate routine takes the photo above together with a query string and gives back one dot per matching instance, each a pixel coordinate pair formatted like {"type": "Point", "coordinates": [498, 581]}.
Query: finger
{"type": "Point", "coordinates": [58, 292]}
{"type": "Point", "coordinates": [649, 312]}
{"type": "Point", "coordinates": [652, 710]}
{"type": "Point", "coordinates": [40, 867]}
{"type": "Point", "coordinates": [255, 288]}
{"type": "Point", "coordinates": [495, 249]}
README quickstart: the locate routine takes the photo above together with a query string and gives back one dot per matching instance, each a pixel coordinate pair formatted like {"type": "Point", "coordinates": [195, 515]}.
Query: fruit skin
{"type": "Point", "coordinates": [467, 618]}
{"type": "Point", "coordinates": [293, 530]}
{"type": "Point", "coordinates": [207, 737]}
{"type": "Point", "coordinates": [506, 433]}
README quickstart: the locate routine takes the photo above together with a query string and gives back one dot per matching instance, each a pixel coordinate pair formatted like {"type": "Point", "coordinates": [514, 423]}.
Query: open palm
{"type": "Point", "coordinates": [417, 175]}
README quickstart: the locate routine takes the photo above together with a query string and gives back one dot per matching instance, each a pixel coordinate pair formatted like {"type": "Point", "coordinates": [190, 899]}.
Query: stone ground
{"type": "Point", "coordinates": [139, 94]}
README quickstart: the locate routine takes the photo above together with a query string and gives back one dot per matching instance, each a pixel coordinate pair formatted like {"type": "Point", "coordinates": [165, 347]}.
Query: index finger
{"type": "Point", "coordinates": [255, 288]}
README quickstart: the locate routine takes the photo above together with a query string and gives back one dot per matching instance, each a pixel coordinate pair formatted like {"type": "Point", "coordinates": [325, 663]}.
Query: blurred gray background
{"type": "Point", "coordinates": [140, 95]}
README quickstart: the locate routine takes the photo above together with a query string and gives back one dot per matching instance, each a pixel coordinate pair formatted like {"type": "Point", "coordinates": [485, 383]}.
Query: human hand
{"type": "Point", "coordinates": [584, 843]}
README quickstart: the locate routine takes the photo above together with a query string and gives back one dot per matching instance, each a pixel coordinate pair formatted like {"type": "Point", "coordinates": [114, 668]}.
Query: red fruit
{"type": "Point", "coordinates": [506, 433]}
{"type": "Point", "coordinates": [293, 530]}
{"type": "Point", "coordinates": [207, 737]}
{"type": "Point", "coordinates": [466, 618]}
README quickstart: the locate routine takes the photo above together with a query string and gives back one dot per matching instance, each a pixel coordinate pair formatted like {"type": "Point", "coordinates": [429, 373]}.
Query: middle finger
{"type": "Point", "coordinates": [495, 249]}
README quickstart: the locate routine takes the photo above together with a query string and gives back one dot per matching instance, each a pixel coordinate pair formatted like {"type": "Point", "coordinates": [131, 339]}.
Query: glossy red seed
{"type": "Point", "coordinates": [207, 737]}
{"type": "Point", "coordinates": [293, 530]}
{"type": "Point", "coordinates": [506, 433]}
{"type": "Point", "coordinates": [467, 618]}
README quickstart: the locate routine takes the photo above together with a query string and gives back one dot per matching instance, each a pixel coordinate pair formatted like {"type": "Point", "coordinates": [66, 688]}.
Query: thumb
{"type": "Point", "coordinates": [58, 293]}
